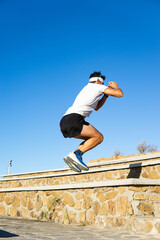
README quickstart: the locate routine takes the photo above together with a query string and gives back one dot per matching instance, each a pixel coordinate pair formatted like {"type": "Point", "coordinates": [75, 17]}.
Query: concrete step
{"type": "Point", "coordinates": [142, 168]}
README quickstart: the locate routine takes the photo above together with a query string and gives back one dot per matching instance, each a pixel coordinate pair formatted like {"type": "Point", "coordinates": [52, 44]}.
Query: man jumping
{"type": "Point", "coordinates": [73, 124]}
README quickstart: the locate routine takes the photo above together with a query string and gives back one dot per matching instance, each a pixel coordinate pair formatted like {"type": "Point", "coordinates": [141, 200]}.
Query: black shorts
{"type": "Point", "coordinates": [71, 125]}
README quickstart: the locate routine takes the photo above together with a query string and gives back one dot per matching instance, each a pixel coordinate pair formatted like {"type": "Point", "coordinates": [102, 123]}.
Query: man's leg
{"type": "Point", "coordinates": [91, 136]}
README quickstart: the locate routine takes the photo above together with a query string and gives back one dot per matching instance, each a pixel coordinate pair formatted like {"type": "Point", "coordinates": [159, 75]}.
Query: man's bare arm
{"type": "Point", "coordinates": [113, 90]}
{"type": "Point", "coordinates": [101, 102]}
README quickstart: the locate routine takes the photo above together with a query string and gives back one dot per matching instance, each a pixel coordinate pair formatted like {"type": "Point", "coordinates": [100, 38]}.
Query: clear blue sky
{"type": "Point", "coordinates": [48, 49]}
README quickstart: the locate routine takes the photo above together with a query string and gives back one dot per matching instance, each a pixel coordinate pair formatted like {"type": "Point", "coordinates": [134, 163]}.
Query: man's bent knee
{"type": "Point", "coordinates": [100, 138]}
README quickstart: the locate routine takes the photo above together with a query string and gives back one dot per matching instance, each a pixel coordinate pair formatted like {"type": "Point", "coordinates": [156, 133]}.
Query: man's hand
{"type": "Point", "coordinates": [113, 85]}
{"type": "Point", "coordinates": [113, 90]}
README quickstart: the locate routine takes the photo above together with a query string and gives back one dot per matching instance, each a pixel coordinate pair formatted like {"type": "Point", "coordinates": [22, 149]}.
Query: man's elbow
{"type": "Point", "coordinates": [120, 94]}
{"type": "Point", "coordinates": [97, 108]}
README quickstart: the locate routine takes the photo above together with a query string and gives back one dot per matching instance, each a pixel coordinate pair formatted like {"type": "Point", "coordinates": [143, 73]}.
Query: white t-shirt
{"type": "Point", "coordinates": [87, 99]}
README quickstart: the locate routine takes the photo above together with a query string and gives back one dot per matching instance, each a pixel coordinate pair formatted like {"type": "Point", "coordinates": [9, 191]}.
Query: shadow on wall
{"type": "Point", "coordinates": [4, 234]}
{"type": "Point", "coordinates": [135, 170]}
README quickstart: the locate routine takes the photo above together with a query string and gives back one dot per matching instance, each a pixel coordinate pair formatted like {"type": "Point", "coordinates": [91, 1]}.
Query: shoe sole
{"type": "Point", "coordinates": [77, 164]}
{"type": "Point", "coordinates": [72, 165]}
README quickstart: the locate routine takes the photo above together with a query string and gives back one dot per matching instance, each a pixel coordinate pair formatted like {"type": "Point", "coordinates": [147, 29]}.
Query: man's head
{"type": "Point", "coordinates": [96, 77]}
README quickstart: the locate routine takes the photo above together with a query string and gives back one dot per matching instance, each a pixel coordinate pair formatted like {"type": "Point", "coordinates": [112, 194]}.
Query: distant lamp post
{"type": "Point", "coordinates": [9, 165]}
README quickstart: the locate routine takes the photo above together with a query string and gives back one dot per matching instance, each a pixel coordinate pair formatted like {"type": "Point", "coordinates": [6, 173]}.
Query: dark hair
{"type": "Point", "coordinates": [97, 74]}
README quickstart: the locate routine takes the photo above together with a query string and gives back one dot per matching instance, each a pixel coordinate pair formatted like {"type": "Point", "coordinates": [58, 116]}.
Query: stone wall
{"type": "Point", "coordinates": [122, 194]}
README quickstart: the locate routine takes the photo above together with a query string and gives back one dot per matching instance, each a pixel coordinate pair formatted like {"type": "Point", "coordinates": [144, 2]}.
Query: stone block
{"type": "Point", "coordinates": [138, 189]}
{"type": "Point", "coordinates": [31, 183]}
{"type": "Point", "coordinates": [139, 196]}
{"type": "Point", "coordinates": [1, 197]}
{"type": "Point", "coordinates": [148, 226]}
{"type": "Point", "coordinates": [109, 175]}
{"type": "Point", "coordinates": [16, 201]}
{"type": "Point", "coordinates": [101, 197]}
{"type": "Point", "coordinates": [90, 218]}
{"type": "Point", "coordinates": [145, 175]}
{"type": "Point", "coordinates": [15, 184]}
{"type": "Point", "coordinates": [54, 194]}
{"type": "Point", "coordinates": [115, 173]}
{"type": "Point", "coordinates": [33, 215]}
{"type": "Point", "coordinates": [154, 198]}
{"type": "Point", "coordinates": [23, 200]}
{"type": "Point", "coordinates": [123, 171]}
{"type": "Point", "coordinates": [30, 204]}
{"type": "Point", "coordinates": [58, 194]}
{"type": "Point", "coordinates": [82, 217]}
{"type": "Point", "coordinates": [103, 209]}
{"type": "Point", "coordinates": [147, 169]}
{"type": "Point", "coordinates": [116, 222]}
{"type": "Point", "coordinates": [122, 177]}
{"type": "Point", "coordinates": [57, 182]}
{"type": "Point", "coordinates": [77, 205]}
{"type": "Point", "coordinates": [8, 200]}
{"type": "Point", "coordinates": [155, 189]}
{"type": "Point", "coordinates": [39, 203]}
{"type": "Point", "coordinates": [2, 210]}
{"type": "Point", "coordinates": [79, 195]}
{"type": "Point", "coordinates": [88, 192]}
{"type": "Point", "coordinates": [146, 208]}
{"type": "Point", "coordinates": [121, 189]}
{"type": "Point", "coordinates": [45, 202]}
{"type": "Point", "coordinates": [120, 222]}
{"type": "Point", "coordinates": [72, 217]}
{"type": "Point", "coordinates": [50, 181]}
{"type": "Point", "coordinates": [95, 190]}
{"type": "Point", "coordinates": [101, 176]}
{"type": "Point", "coordinates": [96, 207]}
{"type": "Point", "coordinates": [124, 207]}
{"type": "Point", "coordinates": [111, 195]}
{"type": "Point", "coordinates": [87, 202]}
{"type": "Point", "coordinates": [13, 212]}
{"type": "Point", "coordinates": [25, 213]}
{"type": "Point", "coordinates": [95, 176]}
{"type": "Point", "coordinates": [106, 189]}
{"type": "Point", "coordinates": [37, 182]}
{"type": "Point", "coordinates": [158, 209]}
{"type": "Point", "coordinates": [48, 193]}
{"type": "Point", "coordinates": [68, 199]}
{"type": "Point", "coordinates": [112, 207]}
{"type": "Point", "coordinates": [154, 175]}
{"type": "Point", "coordinates": [80, 177]}
{"type": "Point", "coordinates": [48, 201]}
{"type": "Point", "coordinates": [137, 225]}
{"type": "Point", "coordinates": [31, 194]}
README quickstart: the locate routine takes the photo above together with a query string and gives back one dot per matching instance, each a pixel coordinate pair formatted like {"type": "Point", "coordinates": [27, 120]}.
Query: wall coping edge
{"type": "Point", "coordinates": [110, 183]}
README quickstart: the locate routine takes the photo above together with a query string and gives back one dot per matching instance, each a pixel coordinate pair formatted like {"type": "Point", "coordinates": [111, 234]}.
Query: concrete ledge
{"type": "Point", "coordinates": [112, 168]}
{"type": "Point", "coordinates": [110, 183]}
{"type": "Point", "coordinates": [126, 160]}
{"type": "Point", "coordinates": [112, 162]}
